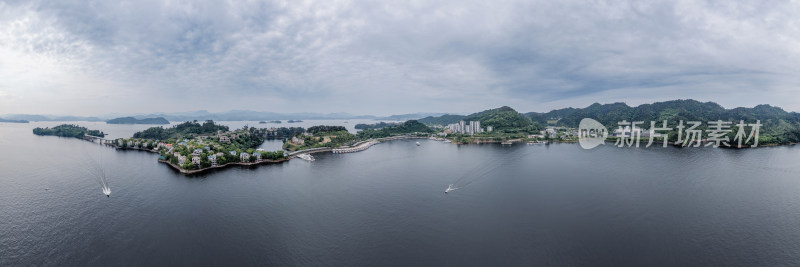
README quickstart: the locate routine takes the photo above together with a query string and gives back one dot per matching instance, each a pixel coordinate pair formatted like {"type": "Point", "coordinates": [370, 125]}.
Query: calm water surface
{"type": "Point", "coordinates": [520, 205]}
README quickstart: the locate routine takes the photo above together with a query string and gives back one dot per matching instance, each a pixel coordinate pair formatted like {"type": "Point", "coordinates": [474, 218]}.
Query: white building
{"type": "Point", "coordinates": [462, 127]}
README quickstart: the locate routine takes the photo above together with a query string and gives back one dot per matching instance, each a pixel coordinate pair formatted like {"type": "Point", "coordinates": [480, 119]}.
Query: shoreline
{"type": "Point", "coordinates": [188, 172]}
{"type": "Point", "coordinates": [293, 154]}
{"type": "Point", "coordinates": [290, 156]}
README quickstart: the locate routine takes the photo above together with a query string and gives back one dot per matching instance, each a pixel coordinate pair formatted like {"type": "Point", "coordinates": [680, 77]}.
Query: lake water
{"type": "Point", "coordinates": [517, 205]}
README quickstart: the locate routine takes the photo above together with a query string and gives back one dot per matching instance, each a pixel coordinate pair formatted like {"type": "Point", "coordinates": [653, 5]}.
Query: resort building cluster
{"type": "Point", "coordinates": [463, 128]}
{"type": "Point", "coordinates": [206, 150]}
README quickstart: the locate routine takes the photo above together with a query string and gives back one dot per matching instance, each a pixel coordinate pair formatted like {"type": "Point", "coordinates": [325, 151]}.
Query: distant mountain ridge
{"type": "Point", "coordinates": [232, 115]}
{"type": "Point", "coordinates": [674, 110]}
{"type": "Point", "coordinates": [132, 120]}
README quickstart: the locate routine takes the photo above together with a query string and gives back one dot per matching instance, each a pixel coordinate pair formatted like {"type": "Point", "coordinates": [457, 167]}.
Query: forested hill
{"type": "Point", "coordinates": [782, 126]}
{"type": "Point", "coordinates": [442, 120]}
{"type": "Point", "coordinates": [408, 127]}
{"type": "Point", "coordinates": [501, 118]}
{"type": "Point", "coordinates": [186, 128]}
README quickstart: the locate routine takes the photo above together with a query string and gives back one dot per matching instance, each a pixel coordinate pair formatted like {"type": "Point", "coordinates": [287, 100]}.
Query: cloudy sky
{"type": "Point", "coordinates": [391, 57]}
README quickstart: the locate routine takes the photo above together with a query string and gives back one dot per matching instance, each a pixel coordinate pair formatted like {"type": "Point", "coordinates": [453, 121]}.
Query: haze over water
{"type": "Point", "coordinates": [522, 205]}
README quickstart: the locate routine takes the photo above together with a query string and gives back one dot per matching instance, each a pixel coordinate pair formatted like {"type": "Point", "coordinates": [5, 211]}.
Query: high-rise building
{"type": "Point", "coordinates": [462, 127]}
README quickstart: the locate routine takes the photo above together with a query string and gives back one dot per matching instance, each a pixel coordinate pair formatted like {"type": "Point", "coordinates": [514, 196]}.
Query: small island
{"type": "Point", "coordinates": [13, 121]}
{"type": "Point", "coordinates": [132, 120]}
{"type": "Point", "coordinates": [68, 130]}
{"type": "Point", "coordinates": [293, 121]}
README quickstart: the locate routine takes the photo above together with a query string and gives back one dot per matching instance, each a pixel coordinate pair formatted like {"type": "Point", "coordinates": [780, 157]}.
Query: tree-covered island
{"type": "Point", "coordinates": [68, 130]}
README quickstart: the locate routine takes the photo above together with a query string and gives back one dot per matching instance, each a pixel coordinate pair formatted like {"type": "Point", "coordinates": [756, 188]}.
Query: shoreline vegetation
{"type": "Point", "coordinates": [193, 147]}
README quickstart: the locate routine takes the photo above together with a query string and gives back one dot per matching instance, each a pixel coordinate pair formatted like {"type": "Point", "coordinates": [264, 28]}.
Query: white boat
{"type": "Point", "coordinates": [306, 157]}
{"type": "Point", "coordinates": [417, 143]}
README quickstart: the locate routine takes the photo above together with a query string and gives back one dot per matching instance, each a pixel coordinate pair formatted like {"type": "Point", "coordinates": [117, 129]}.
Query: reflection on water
{"type": "Point", "coordinates": [524, 205]}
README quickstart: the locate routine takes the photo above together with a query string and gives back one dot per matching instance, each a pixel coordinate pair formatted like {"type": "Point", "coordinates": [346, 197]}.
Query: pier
{"type": "Point", "coordinates": [360, 147]}
{"type": "Point", "coordinates": [100, 140]}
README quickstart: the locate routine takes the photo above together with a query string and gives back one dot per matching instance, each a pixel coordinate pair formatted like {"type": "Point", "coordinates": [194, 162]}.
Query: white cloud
{"type": "Point", "coordinates": [393, 56]}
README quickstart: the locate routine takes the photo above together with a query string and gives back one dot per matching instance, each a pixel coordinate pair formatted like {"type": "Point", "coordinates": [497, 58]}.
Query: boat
{"type": "Point", "coordinates": [306, 157]}
{"type": "Point", "coordinates": [506, 143]}
{"type": "Point", "coordinates": [417, 143]}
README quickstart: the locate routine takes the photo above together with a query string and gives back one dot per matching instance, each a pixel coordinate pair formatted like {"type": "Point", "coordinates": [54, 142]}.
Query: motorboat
{"type": "Point", "coordinates": [306, 157]}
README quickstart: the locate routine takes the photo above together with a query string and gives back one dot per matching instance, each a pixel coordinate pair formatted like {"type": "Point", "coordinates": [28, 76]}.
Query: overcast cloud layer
{"type": "Point", "coordinates": [385, 57]}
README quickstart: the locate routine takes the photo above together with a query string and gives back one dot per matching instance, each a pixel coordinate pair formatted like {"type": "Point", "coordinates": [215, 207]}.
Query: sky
{"type": "Point", "coordinates": [392, 57]}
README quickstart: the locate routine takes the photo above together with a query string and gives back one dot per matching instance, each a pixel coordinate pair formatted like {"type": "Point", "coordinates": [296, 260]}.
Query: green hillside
{"type": "Point", "coordinates": [442, 120]}
{"type": "Point", "coordinates": [411, 126]}
{"type": "Point", "coordinates": [779, 126]}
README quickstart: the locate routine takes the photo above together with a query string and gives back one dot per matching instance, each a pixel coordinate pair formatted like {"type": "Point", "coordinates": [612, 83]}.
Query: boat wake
{"type": "Point", "coordinates": [485, 169]}
{"type": "Point", "coordinates": [107, 191]}
{"type": "Point", "coordinates": [450, 188]}
{"type": "Point", "coordinates": [93, 165]}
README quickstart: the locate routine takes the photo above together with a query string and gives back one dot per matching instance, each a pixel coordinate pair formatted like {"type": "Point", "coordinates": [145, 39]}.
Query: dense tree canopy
{"type": "Point", "coordinates": [411, 126]}
{"type": "Point", "coordinates": [779, 126]}
{"type": "Point", "coordinates": [180, 130]}
{"type": "Point", "coordinates": [326, 129]}
{"type": "Point", "coordinates": [68, 130]}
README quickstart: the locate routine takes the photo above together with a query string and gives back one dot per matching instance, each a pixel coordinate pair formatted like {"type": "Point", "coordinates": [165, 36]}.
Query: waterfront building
{"type": "Point", "coordinates": [462, 127]}
{"type": "Point", "coordinates": [298, 141]}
